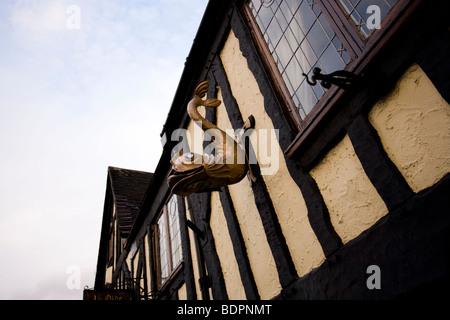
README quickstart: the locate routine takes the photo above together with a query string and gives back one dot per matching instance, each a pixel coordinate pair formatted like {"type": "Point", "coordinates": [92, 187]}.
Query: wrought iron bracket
{"type": "Point", "coordinates": [205, 282]}
{"type": "Point", "coordinates": [196, 229]}
{"type": "Point", "coordinates": [249, 124]}
{"type": "Point", "coordinates": [341, 78]}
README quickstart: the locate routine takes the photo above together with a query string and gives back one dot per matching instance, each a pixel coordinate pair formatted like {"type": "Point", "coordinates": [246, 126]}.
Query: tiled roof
{"type": "Point", "coordinates": [128, 188]}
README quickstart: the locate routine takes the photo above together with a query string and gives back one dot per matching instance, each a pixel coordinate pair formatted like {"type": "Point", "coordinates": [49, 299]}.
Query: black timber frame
{"type": "Point", "coordinates": [272, 228]}
{"type": "Point", "coordinates": [426, 44]}
{"type": "Point", "coordinates": [410, 244]}
{"type": "Point", "coordinates": [317, 210]}
{"type": "Point", "coordinates": [240, 251]}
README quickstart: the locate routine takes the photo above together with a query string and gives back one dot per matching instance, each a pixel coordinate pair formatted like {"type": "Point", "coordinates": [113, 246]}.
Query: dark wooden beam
{"type": "Point", "coordinates": [384, 175]}
{"type": "Point", "coordinates": [189, 279]}
{"type": "Point", "coordinates": [239, 248]}
{"type": "Point", "coordinates": [275, 238]}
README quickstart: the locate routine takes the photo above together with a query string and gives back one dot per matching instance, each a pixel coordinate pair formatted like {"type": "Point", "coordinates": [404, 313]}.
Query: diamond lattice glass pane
{"type": "Point", "coordinates": [362, 14]}
{"type": "Point", "coordinates": [299, 37]}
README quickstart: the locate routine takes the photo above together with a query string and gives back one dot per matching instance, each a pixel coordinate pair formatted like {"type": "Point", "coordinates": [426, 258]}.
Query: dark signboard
{"type": "Point", "coordinates": [107, 295]}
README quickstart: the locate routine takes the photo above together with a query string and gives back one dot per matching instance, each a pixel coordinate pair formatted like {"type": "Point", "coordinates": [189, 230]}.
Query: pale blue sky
{"type": "Point", "coordinates": [72, 103]}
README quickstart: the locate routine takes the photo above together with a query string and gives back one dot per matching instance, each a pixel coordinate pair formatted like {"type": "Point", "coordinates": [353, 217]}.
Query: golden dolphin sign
{"type": "Point", "coordinates": [195, 173]}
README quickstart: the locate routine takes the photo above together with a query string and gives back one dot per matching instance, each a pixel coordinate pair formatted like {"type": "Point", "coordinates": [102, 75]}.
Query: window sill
{"type": "Point", "coordinates": [168, 282]}
{"type": "Point", "coordinates": [312, 121]}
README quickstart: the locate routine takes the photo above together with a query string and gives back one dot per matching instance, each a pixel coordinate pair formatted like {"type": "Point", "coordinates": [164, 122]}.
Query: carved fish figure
{"type": "Point", "coordinates": [194, 173]}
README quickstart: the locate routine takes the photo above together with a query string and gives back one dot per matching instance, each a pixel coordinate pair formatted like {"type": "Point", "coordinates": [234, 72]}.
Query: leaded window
{"type": "Point", "coordinates": [299, 39]}
{"type": "Point", "coordinates": [168, 242]}
{"type": "Point", "coordinates": [296, 36]}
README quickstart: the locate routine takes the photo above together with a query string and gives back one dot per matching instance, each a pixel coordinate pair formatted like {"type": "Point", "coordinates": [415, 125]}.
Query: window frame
{"type": "Point", "coordinates": [173, 270]}
{"type": "Point", "coordinates": [110, 251]}
{"type": "Point", "coordinates": [361, 52]}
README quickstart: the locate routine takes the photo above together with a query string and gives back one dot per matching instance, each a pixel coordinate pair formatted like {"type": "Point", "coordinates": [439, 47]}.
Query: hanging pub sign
{"type": "Point", "coordinates": [195, 173]}
{"type": "Point", "coordinates": [107, 295]}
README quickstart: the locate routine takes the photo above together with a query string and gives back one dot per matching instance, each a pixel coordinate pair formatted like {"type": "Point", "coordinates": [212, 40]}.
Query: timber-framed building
{"type": "Point", "coordinates": [357, 204]}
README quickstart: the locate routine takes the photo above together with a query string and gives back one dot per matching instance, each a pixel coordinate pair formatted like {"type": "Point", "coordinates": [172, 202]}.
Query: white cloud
{"type": "Point", "coordinates": [73, 103]}
{"type": "Point", "coordinates": [39, 17]}
{"type": "Point", "coordinates": [38, 24]}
